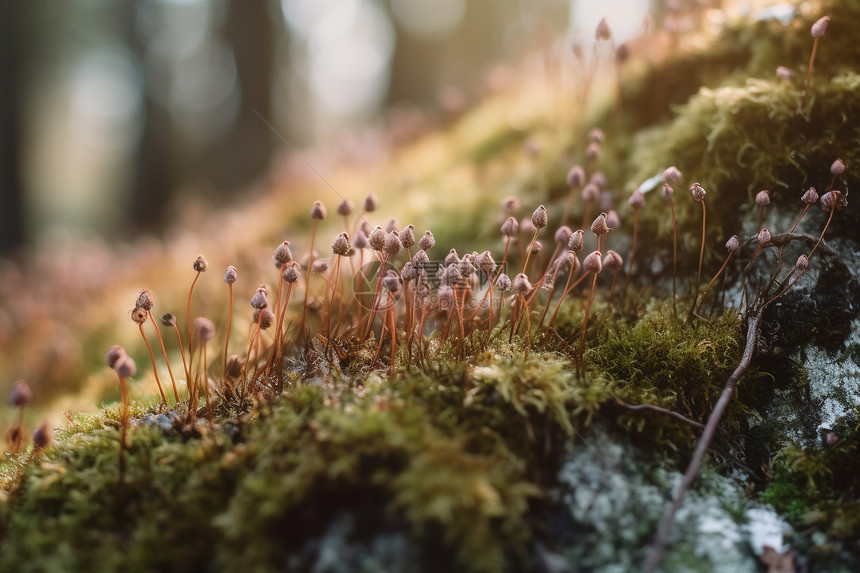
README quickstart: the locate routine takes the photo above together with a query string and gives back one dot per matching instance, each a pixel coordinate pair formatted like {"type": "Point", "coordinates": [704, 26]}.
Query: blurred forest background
{"type": "Point", "coordinates": [115, 112]}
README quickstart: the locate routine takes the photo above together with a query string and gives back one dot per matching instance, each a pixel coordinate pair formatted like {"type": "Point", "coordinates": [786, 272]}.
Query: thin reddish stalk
{"type": "Point", "coordinates": [701, 257]}
{"type": "Point", "coordinates": [382, 332]}
{"type": "Point", "coordinates": [490, 319]}
{"type": "Point", "coordinates": [335, 284]}
{"type": "Point", "coordinates": [374, 305]}
{"type": "Point", "coordinates": [308, 278]}
{"type": "Point", "coordinates": [796, 223]}
{"type": "Point", "coordinates": [632, 248]}
{"type": "Point", "coordinates": [528, 325]}
{"type": "Point", "coordinates": [674, 255]}
{"type": "Point", "coordinates": [716, 276]}
{"type": "Point", "coordinates": [281, 270]}
{"type": "Point", "coordinates": [123, 440]}
{"type": "Point", "coordinates": [567, 289]}
{"type": "Point", "coordinates": [393, 339]}
{"type": "Point", "coordinates": [254, 339]}
{"type": "Point", "coordinates": [409, 307]}
{"type": "Point", "coordinates": [188, 311]}
{"type": "Point", "coordinates": [205, 367]}
{"type": "Point", "coordinates": [809, 72]}
{"type": "Point", "coordinates": [461, 329]}
{"type": "Point", "coordinates": [181, 351]}
{"type": "Point", "coordinates": [154, 367]}
{"type": "Point", "coordinates": [492, 282]}
{"type": "Point", "coordinates": [448, 321]}
{"type": "Point", "coordinates": [281, 333]}
{"type": "Point", "coordinates": [529, 251]}
{"type": "Point", "coordinates": [229, 325]}
{"type": "Point", "coordinates": [549, 298]}
{"type": "Point", "coordinates": [824, 230]}
{"type": "Point", "coordinates": [421, 320]}
{"type": "Point", "coordinates": [169, 369]}
{"type": "Point", "coordinates": [279, 313]}
{"type": "Point", "coordinates": [515, 316]}
{"type": "Point", "coordinates": [585, 325]}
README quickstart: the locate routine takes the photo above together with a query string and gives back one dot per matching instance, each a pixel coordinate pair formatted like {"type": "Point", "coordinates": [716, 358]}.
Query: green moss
{"type": "Point", "coordinates": [737, 140]}
{"type": "Point", "coordinates": [818, 489]}
{"type": "Point", "coordinates": [448, 464]}
{"type": "Point", "coordinates": [373, 459]}
{"type": "Point", "coordinates": [454, 453]}
{"type": "Point", "coordinates": [72, 513]}
{"type": "Point", "coordinates": [661, 361]}
{"type": "Point", "coordinates": [490, 148]}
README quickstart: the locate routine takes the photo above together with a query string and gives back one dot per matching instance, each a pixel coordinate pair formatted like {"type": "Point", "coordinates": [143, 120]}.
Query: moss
{"type": "Point", "coordinates": [737, 140]}
{"type": "Point", "coordinates": [749, 46]}
{"type": "Point", "coordinates": [661, 361]}
{"type": "Point", "coordinates": [448, 463]}
{"type": "Point", "coordinates": [492, 147]}
{"type": "Point", "coordinates": [71, 512]}
{"type": "Point", "coordinates": [818, 489]}
{"type": "Point", "coordinates": [453, 451]}
{"type": "Point", "coordinates": [435, 450]}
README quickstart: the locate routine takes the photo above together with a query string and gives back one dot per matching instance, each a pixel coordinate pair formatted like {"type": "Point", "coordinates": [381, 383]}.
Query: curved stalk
{"type": "Point", "coordinates": [188, 312]}
{"type": "Point", "coordinates": [585, 326]}
{"type": "Point", "coordinates": [181, 351]}
{"type": "Point", "coordinates": [665, 529]}
{"type": "Point", "coordinates": [229, 325]}
{"type": "Point", "coordinates": [674, 255]}
{"type": "Point", "coordinates": [308, 278]}
{"type": "Point", "coordinates": [169, 369]}
{"type": "Point", "coordinates": [716, 276]}
{"type": "Point", "coordinates": [154, 367]}
{"type": "Point", "coordinates": [567, 289]}
{"type": "Point", "coordinates": [701, 257]}
{"type": "Point", "coordinates": [529, 250]}
{"type": "Point", "coordinates": [809, 71]}
{"type": "Point", "coordinates": [824, 230]}
{"type": "Point", "coordinates": [632, 248]}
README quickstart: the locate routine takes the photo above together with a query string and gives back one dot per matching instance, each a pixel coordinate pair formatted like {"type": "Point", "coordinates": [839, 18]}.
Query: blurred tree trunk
{"type": "Point", "coordinates": [154, 180]}
{"type": "Point", "coordinates": [244, 153]}
{"type": "Point", "coordinates": [13, 36]}
{"type": "Point", "coordinates": [230, 160]}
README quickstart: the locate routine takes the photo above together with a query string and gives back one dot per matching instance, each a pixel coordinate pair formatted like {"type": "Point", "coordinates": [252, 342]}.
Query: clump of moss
{"type": "Point", "coordinates": [737, 140]}
{"type": "Point", "coordinates": [753, 45]}
{"type": "Point", "coordinates": [818, 489]}
{"type": "Point", "coordinates": [71, 513]}
{"type": "Point", "coordinates": [454, 453]}
{"type": "Point", "coordinates": [660, 361]}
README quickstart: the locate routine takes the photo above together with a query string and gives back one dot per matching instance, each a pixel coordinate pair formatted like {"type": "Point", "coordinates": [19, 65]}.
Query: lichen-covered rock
{"type": "Point", "coordinates": [614, 495]}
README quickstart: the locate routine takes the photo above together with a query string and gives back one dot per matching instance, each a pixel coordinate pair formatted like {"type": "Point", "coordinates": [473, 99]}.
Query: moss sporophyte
{"type": "Point", "coordinates": [399, 398]}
